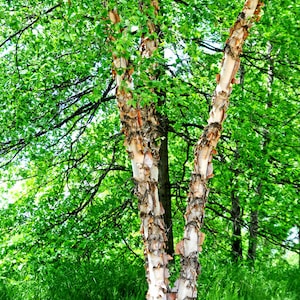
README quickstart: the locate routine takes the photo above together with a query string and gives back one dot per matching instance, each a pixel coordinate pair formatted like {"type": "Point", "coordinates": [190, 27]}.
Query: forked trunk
{"type": "Point", "coordinates": [205, 149]}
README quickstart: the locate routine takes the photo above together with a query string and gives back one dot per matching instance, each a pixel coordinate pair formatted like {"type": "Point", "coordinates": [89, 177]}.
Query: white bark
{"type": "Point", "coordinates": [140, 126]}
{"type": "Point", "coordinates": [204, 150]}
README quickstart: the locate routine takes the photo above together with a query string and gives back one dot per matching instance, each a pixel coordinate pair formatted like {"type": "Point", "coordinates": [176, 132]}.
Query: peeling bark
{"type": "Point", "coordinates": [140, 127]}
{"type": "Point", "coordinates": [205, 149]}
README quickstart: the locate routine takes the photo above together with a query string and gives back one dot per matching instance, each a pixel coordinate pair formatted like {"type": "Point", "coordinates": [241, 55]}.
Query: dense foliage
{"type": "Point", "coordinates": [68, 219]}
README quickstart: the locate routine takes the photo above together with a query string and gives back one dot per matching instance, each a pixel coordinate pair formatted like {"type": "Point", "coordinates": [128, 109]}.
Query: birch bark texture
{"type": "Point", "coordinates": [190, 246]}
{"type": "Point", "coordinates": [140, 127]}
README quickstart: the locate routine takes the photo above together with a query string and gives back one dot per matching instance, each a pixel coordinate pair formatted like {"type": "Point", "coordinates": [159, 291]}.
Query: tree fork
{"type": "Point", "coordinates": [190, 246]}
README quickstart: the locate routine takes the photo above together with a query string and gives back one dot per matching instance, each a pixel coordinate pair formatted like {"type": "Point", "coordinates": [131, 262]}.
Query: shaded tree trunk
{"type": "Point", "coordinates": [253, 235]}
{"type": "Point", "coordinates": [236, 213]}
{"type": "Point", "coordinates": [164, 186]}
{"type": "Point", "coordinates": [253, 229]}
{"type": "Point", "coordinates": [254, 221]}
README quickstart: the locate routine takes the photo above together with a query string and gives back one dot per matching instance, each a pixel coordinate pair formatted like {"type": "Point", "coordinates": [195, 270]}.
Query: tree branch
{"type": "Point", "coordinates": [28, 25]}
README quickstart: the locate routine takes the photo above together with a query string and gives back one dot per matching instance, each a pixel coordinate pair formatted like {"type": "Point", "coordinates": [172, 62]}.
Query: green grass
{"type": "Point", "coordinates": [239, 282]}
{"type": "Point", "coordinates": [119, 280]}
{"type": "Point", "coordinates": [123, 280]}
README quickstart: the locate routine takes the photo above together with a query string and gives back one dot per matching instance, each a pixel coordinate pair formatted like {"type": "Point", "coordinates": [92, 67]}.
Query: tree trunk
{"type": "Point", "coordinates": [236, 246]}
{"type": "Point", "coordinates": [140, 126]}
{"type": "Point", "coordinates": [164, 183]}
{"type": "Point", "coordinates": [253, 229]}
{"type": "Point", "coordinates": [189, 247]}
{"type": "Point", "coordinates": [236, 214]}
{"type": "Point", "coordinates": [253, 235]}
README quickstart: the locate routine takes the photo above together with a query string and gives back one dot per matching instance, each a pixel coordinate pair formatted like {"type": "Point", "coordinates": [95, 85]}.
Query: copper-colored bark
{"type": "Point", "coordinates": [204, 150]}
{"type": "Point", "coordinates": [140, 126]}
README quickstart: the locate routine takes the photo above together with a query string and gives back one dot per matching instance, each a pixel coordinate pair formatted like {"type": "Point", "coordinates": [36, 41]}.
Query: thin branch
{"type": "Point", "coordinates": [28, 25]}
{"type": "Point", "coordinates": [181, 2]}
{"type": "Point", "coordinates": [81, 112]}
{"type": "Point", "coordinates": [207, 45]}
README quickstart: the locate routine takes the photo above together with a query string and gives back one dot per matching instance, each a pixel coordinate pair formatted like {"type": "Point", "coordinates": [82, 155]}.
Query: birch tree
{"type": "Point", "coordinates": [64, 64]}
{"type": "Point", "coordinates": [205, 149]}
{"type": "Point", "coordinates": [139, 125]}
{"type": "Point", "coordinates": [144, 157]}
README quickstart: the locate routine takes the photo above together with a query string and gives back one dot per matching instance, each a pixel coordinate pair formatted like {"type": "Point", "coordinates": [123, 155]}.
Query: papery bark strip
{"type": "Point", "coordinates": [140, 126]}
{"type": "Point", "coordinates": [189, 247]}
